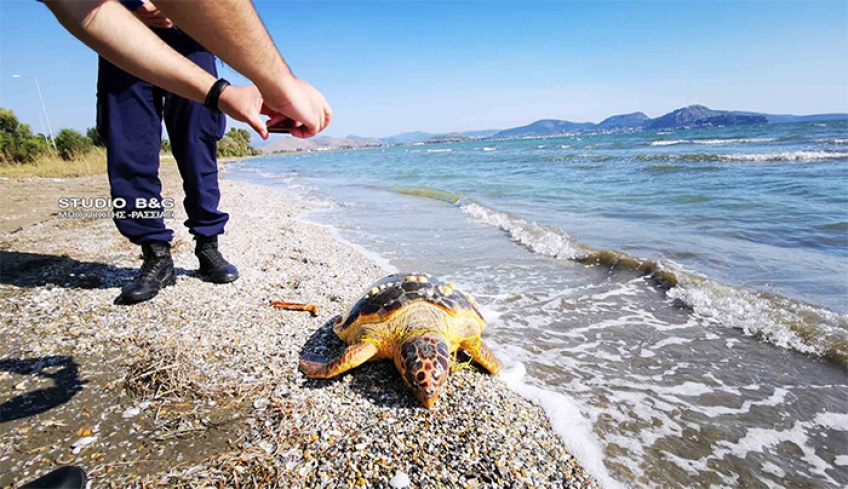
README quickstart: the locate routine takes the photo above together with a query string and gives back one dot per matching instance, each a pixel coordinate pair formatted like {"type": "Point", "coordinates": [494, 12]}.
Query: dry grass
{"type": "Point", "coordinates": [159, 372]}
{"type": "Point", "coordinates": [52, 166]}
{"type": "Point", "coordinates": [163, 369]}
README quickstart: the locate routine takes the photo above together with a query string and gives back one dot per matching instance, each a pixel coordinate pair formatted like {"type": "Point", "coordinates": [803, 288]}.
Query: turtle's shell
{"type": "Point", "coordinates": [390, 294]}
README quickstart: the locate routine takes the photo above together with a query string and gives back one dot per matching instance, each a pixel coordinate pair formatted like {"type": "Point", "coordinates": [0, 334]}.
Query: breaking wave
{"type": "Point", "coordinates": [670, 142]}
{"type": "Point", "coordinates": [782, 321]}
{"type": "Point", "coordinates": [713, 142]}
{"type": "Point", "coordinates": [788, 156]}
{"type": "Point", "coordinates": [800, 156]}
{"type": "Point", "coordinates": [734, 141]}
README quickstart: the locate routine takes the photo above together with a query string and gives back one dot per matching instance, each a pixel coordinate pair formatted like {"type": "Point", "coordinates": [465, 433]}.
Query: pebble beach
{"type": "Point", "coordinates": [200, 387]}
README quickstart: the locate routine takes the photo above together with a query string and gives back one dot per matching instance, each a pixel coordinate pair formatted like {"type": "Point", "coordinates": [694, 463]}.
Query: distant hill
{"type": "Point", "coordinates": [686, 117]}
{"type": "Point", "coordinates": [451, 137]}
{"type": "Point", "coordinates": [545, 127]}
{"type": "Point", "coordinates": [786, 118]}
{"type": "Point", "coordinates": [692, 116]}
{"type": "Point", "coordinates": [626, 121]}
{"type": "Point", "coordinates": [425, 137]}
{"type": "Point", "coordinates": [700, 116]}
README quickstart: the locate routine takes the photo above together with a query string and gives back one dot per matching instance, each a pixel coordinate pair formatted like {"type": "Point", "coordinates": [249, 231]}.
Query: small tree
{"type": "Point", "coordinates": [94, 135]}
{"type": "Point", "coordinates": [71, 144]}
{"type": "Point", "coordinates": [17, 142]}
{"type": "Point", "coordinates": [236, 143]}
{"type": "Point", "coordinates": [165, 146]}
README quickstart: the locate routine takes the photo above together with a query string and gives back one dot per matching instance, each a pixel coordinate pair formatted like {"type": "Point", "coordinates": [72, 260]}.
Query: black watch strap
{"type": "Point", "coordinates": [215, 93]}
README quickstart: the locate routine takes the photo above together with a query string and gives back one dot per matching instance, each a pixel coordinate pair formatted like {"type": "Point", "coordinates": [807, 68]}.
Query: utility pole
{"type": "Point", "coordinates": [43, 106]}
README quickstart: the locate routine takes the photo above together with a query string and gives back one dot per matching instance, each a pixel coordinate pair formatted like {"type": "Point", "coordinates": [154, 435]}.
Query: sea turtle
{"type": "Point", "coordinates": [416, 320]}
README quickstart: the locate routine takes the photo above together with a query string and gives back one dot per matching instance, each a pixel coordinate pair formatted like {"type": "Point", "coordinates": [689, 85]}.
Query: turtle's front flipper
{"type": "Point", "coordinates": [353, 356]}
{"type": "Point", "coordinates": [481, 354]}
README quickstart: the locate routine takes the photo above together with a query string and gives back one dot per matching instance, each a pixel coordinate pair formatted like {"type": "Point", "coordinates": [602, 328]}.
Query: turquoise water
{"type": "Point", "coordinates": [735, 376]}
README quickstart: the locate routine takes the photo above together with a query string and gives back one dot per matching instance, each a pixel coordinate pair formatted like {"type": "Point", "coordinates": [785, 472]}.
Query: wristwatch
{"type": "Point", "coordinates": [215, 93]}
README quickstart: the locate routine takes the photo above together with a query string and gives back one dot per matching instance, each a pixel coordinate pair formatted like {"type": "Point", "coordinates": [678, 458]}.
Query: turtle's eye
{"type": "Point", "coordinates": [425, 364]}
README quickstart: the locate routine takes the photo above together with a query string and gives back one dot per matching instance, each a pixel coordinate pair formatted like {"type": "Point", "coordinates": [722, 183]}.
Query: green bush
{"type": "Point", "coordinates": [71, 144]}
{"type": "Point", "coordinates": [17, 142]}
{"type": "Point", "coordinates": [94, 135]}
{"type": "Point", "coordinates": [236, 143]}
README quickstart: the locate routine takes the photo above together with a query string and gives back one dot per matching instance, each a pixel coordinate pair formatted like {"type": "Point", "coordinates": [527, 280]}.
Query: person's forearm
{"type": "Point", "coordinates": [239, 38]}
{"type": "Point", "coordinates": [112, 31]}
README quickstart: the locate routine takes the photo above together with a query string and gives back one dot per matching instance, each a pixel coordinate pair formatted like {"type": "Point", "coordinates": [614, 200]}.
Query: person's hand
{"type": "Point", "coordinates": [151, 16]}
{"type": "Point", "coordinates": [303, 104]}
{"type": "Point", "coordinates": [245, 104]}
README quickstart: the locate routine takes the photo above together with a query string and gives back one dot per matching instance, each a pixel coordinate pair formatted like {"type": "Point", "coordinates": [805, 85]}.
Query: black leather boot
{"type": "Point", "coordinates": [156, 273]}
{"type": "Point", "coordinates": [213, 267]}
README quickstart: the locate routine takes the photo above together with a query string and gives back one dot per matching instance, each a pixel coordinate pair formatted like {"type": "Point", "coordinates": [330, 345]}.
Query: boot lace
{"type": "Point", "coordinates": [149, 268]}
{"type": "Point", "coordinates": [212, 257]}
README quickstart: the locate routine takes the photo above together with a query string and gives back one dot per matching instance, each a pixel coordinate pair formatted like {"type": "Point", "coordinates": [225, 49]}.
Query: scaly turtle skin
{"type": "Point", "coordinates": [416, 320]}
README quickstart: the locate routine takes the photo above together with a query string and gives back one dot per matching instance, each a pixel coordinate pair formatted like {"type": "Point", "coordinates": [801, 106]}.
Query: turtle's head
{"type": "Point", "coordinates": [424, 363]}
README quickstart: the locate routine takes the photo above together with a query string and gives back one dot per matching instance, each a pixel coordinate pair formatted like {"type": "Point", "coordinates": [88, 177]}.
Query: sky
{"type": "Point", "coordinates": [392, 67]}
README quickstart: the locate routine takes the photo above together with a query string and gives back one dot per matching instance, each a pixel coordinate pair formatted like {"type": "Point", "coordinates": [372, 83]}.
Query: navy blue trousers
{"type": "Point", "coordinates": [129, 118]}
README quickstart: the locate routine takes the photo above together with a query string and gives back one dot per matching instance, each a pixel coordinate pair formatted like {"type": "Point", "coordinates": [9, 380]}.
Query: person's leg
{"type": "Point", "coordinates": [129, 121]}
{"type": "Point", "coordinates": [194, 131]}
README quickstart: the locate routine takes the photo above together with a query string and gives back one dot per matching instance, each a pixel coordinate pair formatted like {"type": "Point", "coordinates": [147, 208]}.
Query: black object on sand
{"type": "Point", "coordinates": [61, 478]}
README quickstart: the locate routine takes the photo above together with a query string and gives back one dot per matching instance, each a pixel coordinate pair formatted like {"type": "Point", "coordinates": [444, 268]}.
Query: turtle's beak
{"type": "Point", "coordinates": [428, 400]}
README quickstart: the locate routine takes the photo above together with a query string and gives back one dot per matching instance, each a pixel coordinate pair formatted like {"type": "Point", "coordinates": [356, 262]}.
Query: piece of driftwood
{"type": "Point", "coordinates": [294, 306]}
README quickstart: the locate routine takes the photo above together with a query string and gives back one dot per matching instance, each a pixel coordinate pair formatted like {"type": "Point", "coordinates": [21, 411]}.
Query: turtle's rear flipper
{"type": "Point", "coordinates": [481, 354]}
{"type": "Point", "coordinates": [353, 356]}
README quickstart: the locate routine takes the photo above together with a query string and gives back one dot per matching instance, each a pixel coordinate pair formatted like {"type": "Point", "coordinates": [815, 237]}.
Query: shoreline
{"type": "Point", "coordinates": [200, 385]}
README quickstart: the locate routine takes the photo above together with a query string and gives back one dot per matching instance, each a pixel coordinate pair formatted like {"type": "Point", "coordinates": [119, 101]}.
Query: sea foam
{"type": "Point", "coordinates": [787, 156]}
{"type": "Point", "coordinates": [714, 142]}
{"type": "Point", "coordinates": [779, 320]}
{"type": "Point", "coordinates": [566, 419]}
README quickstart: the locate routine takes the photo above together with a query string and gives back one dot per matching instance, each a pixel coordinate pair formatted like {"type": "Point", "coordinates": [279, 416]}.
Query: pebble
{"type": "Point", "coordinates": [267, 446]}
{"type": "Point", "coordinates": [77, 446]}
{"type": "Point", "coordinates": [400, 481]}
{"type": "Point", "coordinates": [131, 413]}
